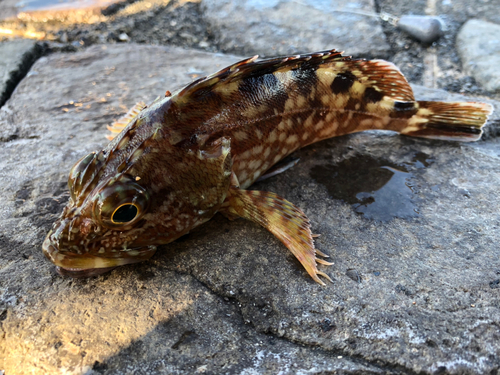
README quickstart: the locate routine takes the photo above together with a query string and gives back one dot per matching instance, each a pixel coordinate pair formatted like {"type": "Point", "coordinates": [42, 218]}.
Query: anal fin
{"type": "Point", "coordinates": [283, 219]}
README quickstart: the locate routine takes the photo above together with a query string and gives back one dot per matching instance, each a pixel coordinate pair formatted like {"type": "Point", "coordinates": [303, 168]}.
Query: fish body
{"type": "Point", "coordinates": [194, 152]}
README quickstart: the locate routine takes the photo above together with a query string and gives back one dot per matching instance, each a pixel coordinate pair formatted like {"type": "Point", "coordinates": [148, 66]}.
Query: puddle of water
{"type": "Point", "coordinates": [421, 160]}
{"type": "Point", "coordinates": [377, 189]}
{"type": "Point", "coordinates": [393, 199]}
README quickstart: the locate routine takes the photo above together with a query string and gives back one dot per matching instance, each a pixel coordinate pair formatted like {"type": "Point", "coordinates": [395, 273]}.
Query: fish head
{"type": "Point", "coordinates": [141, 191]}
{"type": "Point", "coordinates": [102, 229]}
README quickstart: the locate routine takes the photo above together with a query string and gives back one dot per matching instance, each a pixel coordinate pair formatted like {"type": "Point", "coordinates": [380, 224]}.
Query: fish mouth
{"type": "Point", "coordinates": [86, 265]}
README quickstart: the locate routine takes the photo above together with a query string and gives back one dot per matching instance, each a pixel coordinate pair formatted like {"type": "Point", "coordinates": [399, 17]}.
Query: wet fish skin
{"type": "Point", "coordinates": [194, 152]}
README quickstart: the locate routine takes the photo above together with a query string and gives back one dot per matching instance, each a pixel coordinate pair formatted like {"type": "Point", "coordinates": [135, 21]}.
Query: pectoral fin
{"type": "Point", "coordinates": [283, 219]}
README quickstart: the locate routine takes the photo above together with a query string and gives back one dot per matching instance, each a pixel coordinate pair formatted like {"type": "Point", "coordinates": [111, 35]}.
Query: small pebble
{"type": "Point", "coordinates": [426, 29]}
{"type": "Point", "coordinates": [353, 275]}
{"type": "Point", "coordinates": [123, 37]}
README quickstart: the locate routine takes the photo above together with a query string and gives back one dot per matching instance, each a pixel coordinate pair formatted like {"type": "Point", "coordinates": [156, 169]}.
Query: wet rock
{"type": "Point", "coordinates": [229, 298]}
{"type": "Point", "coordinates": [281, 27]}
{"type": "Point", "coordinates": [478, 44]}
{"type": "Point", "coordinates": [16, 57]}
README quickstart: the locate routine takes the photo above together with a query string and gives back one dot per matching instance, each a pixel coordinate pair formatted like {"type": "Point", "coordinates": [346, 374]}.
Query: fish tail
{"type": "Point", "coordinates": [453, 121]}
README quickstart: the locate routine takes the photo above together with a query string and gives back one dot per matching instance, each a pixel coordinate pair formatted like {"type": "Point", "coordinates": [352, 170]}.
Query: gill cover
{"type": "Point", "coordinates": [80, 172]}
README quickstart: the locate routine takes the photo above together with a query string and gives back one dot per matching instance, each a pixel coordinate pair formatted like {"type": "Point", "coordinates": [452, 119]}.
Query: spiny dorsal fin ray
{"type": "Point", "coordinates": [123, 121]}
{"type": "Point", "coordinates": [381, 75]}
{"type": "Point", "coordinates": [385, 77]}
{"type": "Point", "coordinates": [250, 68]}
{"type": "Point", "coordinates": [283, 219]}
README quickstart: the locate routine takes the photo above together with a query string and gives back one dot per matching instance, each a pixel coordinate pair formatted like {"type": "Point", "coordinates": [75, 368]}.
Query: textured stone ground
{"type": "Point", "coordinates": [415, 280]}
{"type": "Point", "coordinates": [412, 225]}
{"type": "Point", "coordinates": [17, 57]}
{"type": "Point", "coordinates": [277, 27]}
{"type": "Point", "coordinates": [479, 47]}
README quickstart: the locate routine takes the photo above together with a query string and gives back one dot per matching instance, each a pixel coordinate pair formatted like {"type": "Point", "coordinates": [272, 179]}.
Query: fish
{"type": "Point", "coordinates": [173, 164]}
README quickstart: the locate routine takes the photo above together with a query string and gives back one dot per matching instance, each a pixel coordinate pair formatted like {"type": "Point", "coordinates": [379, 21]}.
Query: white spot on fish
{"type": "Point", "coordinates": [293, 139]}
{"type": "Point", "coordinates": [240, 135]}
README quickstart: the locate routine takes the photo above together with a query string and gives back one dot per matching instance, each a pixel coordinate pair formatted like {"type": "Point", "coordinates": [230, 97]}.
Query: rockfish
{"type": "Point", "coordinates": [194, 152]}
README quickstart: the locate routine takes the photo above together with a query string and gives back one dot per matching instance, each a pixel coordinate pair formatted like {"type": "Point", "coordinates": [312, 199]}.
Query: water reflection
{"type": "Point", "coordinates": [377, 189]}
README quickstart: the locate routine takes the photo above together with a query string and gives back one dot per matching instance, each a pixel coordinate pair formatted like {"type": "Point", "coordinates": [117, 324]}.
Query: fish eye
{"type": "Point", "coordinates": [121, 204]}
{"type": "Point", "coordinates": [125, 213]}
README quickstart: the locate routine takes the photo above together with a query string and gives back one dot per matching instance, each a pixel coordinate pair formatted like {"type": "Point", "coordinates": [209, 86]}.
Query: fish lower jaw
{"type": "Point", "coordinates": [79, 267]}
{"type": "Point", "coordinates": [82, 273]}
{"type": "Point", "coordinates": [85, 265]}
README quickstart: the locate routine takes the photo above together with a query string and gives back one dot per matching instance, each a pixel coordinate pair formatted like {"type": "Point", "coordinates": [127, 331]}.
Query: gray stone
{"type": "Point", "coordinates": [16, 57]}
{"type": "Point", "coordinates": [426, 29]}
{"type": "Point", "coordinates": [414, 288]}
{"type": "Point", "coordinates": [463, 9]}
{"type": "Point", "coordinates": [478, 43]}
{"type": "Point", "coordinates": [281, 27]}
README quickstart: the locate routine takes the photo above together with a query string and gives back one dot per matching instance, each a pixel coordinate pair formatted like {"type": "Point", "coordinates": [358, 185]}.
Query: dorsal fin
{"type": "Point", "coordinates": [383, 76]}
{"type": "Point", "coordinates": [250, 68]}
{"type": "Point", "coordinates": [123, 121]}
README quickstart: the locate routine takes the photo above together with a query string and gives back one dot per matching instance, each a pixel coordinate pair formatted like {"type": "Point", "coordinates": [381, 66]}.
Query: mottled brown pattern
{"type": "Point", "coordinates": [192, 153]}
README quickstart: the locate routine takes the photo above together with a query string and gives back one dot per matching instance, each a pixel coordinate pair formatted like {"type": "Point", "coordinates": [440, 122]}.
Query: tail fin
{"type": "Point", "coordinates": [455, 121]}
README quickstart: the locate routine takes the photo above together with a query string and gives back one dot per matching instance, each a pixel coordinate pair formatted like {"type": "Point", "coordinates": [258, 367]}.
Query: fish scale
{"type": "Point", "coordinates": [172, 165]}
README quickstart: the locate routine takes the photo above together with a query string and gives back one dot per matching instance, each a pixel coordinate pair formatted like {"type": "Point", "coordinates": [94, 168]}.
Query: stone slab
{"type": "Point", "coordinates": [478, 43]}
{"type": "Point", "coordinates": [279, 27]}
{"type": "Point", "coordinates": [411, 224]}
{"type": "Point", "coordinates": [16, 57]}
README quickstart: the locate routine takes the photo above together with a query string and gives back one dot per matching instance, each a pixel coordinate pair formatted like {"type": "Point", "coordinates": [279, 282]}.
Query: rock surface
{"type": "Point", "coordinates": [478, 44]}
{"type": "Point", "coordinates": [273, 27]}
{"type": "Point", "coordinates": [17, 56]}
{"type": "Point", "coordinates": [416, 280]}
{"type": "Point", "coordinates": [280, 27]}
{"type": "Point", "coordinates": [438, 65]}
